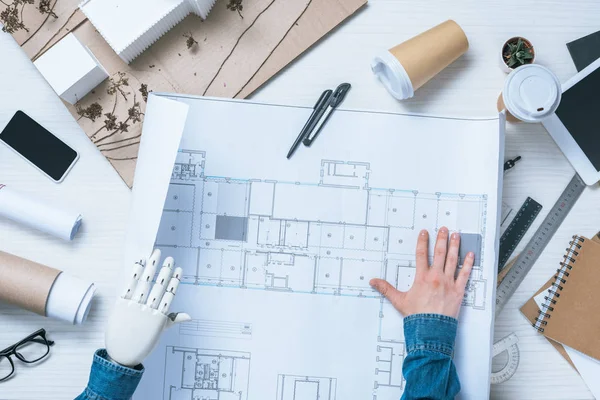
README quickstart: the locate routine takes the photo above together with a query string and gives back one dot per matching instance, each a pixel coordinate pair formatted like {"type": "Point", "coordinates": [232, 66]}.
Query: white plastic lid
{"type": "Point", "coordinates": [393, 76]}
{"type": "Point", "coordinates": [532, 93]}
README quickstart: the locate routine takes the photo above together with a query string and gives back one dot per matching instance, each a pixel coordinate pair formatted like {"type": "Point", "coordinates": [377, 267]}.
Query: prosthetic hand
{"type": "Point", "coordinates": [139, 318]}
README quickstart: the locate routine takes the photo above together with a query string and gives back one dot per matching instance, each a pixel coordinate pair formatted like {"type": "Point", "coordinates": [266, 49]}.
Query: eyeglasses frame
{"type": "Point", "coordinates": [12, 350]}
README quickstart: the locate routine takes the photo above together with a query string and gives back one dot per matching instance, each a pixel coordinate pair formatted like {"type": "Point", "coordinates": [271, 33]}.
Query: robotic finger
{"type": "Point", "coordinates": [164, 277]}
{"type": "Point", "coordinates": [143, 287]}
{"type": "Point", "coordinates": [167, 299]}
{"type": "Point", "coordinates": [136, 272]}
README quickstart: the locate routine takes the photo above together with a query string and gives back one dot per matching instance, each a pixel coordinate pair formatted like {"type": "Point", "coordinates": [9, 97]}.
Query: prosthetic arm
{"type": "Point", "coordinates": [142, 314]}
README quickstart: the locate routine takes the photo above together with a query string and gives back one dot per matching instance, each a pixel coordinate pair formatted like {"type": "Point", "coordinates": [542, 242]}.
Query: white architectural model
{"type": "Point", "coordinates": [71, 69]}
{"type": "Point", "coordinates": [131, 26]}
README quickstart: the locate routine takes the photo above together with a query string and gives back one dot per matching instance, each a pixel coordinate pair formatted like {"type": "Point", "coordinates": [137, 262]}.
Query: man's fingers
{"type": "Point", "coordinates": [441, 248]}
{"type": "Point", "coordinates": [452, 257]}
{"type": "Point", "coordinates": [164, 276]}
{"type": "Point", "coordinates": [465, 272]}
{"type": "Point", "coordinates": [395, 296]}
{"type": "Point", "coordinates": [143, 287]}
{"type": "Point", "coordinates": [422, 253]}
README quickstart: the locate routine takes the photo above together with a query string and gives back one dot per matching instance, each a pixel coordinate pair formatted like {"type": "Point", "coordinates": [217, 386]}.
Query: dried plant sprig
{"type": "Point", "coordinates": [110, 122]}
{"type": "Point", "coordinates": [144, 91]}
{"type": "Point", "coordinates": [91, 112]}
{"type": "Point", "coordinates": [46, 7]}
{"type": "Point", "coordinates": [236, 5]}
{"type": "Point", "coordinates": [135, 113]}
{"type": "Point", "coordinates": [190, 41]}
{"type": "Point", "coordinates": [12, 16]}
{"type": "Point", "coordinates": [117, 85]}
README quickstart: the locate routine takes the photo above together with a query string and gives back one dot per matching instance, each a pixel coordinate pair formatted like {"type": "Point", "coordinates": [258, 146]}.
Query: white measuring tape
{"type": "Point", "coordinates": [508, 344]}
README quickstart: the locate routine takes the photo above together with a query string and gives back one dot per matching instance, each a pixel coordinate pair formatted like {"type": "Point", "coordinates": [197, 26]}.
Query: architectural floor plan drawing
{"type": "Point", "coordinates": [250, 234]}
{"type": "Point", "coordinates": [203, 374]}
{"type": "Point", "coordinates": [277, 254]}
{"type": "Point", "coordinates": [291, 387]}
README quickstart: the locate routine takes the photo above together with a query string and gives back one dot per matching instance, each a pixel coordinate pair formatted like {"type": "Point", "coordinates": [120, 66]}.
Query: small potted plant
{"type": "Point", "coordinates": [516, 51]}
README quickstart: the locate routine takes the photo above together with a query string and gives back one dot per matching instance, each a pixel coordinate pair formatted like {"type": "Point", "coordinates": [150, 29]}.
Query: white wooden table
{"type": "Point", "coordinates": [468, 88]}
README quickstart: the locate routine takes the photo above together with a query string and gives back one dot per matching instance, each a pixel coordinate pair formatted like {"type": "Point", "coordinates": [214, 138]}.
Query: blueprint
{"type": "Point", "coordinates": [277, 254]}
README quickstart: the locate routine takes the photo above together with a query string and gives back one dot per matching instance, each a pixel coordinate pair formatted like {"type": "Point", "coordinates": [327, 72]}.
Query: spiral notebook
{"type": "Point", "coordinates": [565, 309]}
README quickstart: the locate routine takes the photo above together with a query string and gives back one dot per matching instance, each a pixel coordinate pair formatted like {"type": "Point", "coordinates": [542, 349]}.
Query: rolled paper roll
{"type": "Point", "coordinates": [38, 214]}
{"type": "Point", "coordinates": [43, 290]}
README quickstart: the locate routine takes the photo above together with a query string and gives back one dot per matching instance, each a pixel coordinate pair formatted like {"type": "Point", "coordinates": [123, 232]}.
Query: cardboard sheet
{"type": "Point", "coordinates": [233, 57]}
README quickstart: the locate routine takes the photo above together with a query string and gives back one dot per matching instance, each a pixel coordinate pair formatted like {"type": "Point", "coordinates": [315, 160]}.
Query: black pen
{"type": "Point", "coordinates": [511, 163]}
{"type": "Point", "coordinates": [335, 100]}
{"type": "Point", "coordinates": [318, 110]}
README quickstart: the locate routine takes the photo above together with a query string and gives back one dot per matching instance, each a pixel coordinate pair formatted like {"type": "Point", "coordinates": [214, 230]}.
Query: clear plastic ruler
{"type": "Point", "coordinates": [509, 345]}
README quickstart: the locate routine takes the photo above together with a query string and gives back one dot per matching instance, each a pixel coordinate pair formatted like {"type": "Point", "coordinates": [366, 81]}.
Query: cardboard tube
{"type": "Point", "coordinates": [24, 283]}
{"type": "Point", "coordinates": [43, 290]}
{"type": "Point", "coordinates": [427, 54]}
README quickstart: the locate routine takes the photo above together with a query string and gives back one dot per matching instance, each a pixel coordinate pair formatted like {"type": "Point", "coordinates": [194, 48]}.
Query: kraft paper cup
{"type": "Point", "coordinates": [409, 65]}
{"type": "Point", "coordinates": [531, 94]}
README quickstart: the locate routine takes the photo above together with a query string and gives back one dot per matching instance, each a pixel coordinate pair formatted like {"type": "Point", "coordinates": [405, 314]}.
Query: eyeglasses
{"type": "Point", "coordinates": [29, 350]}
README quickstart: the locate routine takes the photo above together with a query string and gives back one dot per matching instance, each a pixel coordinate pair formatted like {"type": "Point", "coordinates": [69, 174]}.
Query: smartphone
{"type": "Point", "coordinates": [53, 157]}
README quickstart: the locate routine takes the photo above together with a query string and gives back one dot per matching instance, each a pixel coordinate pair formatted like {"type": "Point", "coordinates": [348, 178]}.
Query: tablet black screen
{"type": "Point", "coordinates": [579, 111]}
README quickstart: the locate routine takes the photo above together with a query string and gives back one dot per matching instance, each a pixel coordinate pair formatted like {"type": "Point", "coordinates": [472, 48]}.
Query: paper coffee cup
{"type": "Point", "coordinates": [409, 65]}
{"type": "Point", "coordinates": [531, 93]}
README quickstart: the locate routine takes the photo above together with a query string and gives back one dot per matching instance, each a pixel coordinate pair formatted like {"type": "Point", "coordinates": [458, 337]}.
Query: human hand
{"type": "Point", "coordinates": [437, 289]}
{"type": "Point", "coordinates": [139, 318]}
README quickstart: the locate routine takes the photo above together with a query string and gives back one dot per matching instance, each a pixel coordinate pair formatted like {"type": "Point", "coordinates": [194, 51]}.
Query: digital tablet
{"type": "Point", "coordinates": [575, 127]}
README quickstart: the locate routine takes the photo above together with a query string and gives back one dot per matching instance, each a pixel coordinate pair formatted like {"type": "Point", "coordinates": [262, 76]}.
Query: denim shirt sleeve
{"type": "Point", "coordinates": [110, 381]}
{"type": "Point", "coordinates": [428, 367]}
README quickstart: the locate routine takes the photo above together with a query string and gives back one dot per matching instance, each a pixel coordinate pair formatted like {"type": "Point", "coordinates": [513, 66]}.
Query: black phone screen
{"type": "Point", "coordinates": [38, 145]}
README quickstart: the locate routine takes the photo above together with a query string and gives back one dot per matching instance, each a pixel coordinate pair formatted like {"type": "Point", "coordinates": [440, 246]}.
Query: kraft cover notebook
{"type": "Point", "coordinates": [566, 316]}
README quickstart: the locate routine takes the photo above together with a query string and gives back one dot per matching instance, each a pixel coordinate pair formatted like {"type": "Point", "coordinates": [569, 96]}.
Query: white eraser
{"type": "Point", "coordinates": [71, 69]}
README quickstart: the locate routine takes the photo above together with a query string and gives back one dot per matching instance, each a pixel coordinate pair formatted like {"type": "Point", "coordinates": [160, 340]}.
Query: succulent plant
{"type": "Point", "coordinates": [517, 54]}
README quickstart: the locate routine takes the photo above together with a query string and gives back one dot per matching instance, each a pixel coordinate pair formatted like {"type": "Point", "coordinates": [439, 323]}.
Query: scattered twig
{"type": "Point", "coordinates": [190, 41]}
{"type": "Point", "coordinates": [236, 5]}
{"type": "Point", "coordinates": [45, 7]}
{"type": "Point", "coordinates": [134, 116]}
{"type": "Point", "coordinates": [117, 85]}
{"type": "Point", "coordinates": [91, 112]}
{"type": "Point", "coordinates": [144, 91]}
{"type": "Point", "coordinates": [11, 18]}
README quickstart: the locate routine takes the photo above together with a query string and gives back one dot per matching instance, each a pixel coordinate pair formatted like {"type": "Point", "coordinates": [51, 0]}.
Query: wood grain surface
{"type": "Point", "coordinates": [469, 87]}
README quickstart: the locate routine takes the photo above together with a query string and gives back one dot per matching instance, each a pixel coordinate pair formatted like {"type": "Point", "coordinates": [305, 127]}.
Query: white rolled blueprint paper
{"type": "Point", "coordinates": [70, 299]}
{"type": "Point", "coordinates": [38, 214]}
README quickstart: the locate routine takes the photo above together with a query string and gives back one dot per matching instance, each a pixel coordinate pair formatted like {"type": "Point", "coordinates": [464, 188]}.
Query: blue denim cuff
{"type": "Point", "coordinates": [111, 381]}
{"type": "Point", "coordinates": [432, 332]}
